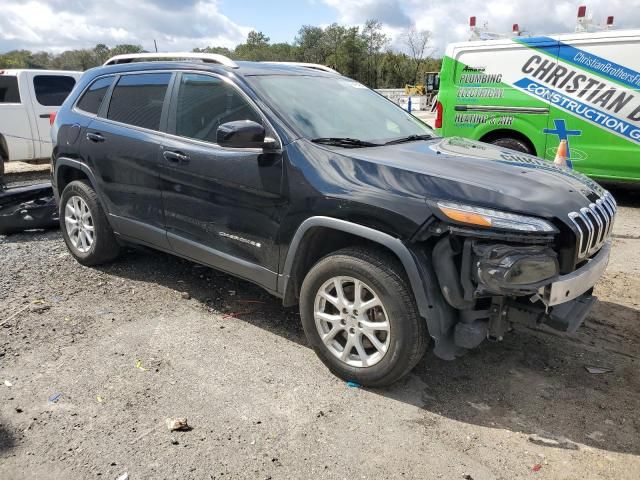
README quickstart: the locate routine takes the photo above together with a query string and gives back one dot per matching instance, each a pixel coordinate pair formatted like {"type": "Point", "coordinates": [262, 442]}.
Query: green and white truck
{"type": "Point", "coordinates": [529, 93]}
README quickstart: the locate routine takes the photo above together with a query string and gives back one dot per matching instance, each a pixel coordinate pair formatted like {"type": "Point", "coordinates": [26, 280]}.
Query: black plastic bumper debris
{"type": "Point", "coordinates": [27, 208]}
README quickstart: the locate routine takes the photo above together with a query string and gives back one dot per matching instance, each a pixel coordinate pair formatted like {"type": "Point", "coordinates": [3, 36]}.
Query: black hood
{"type": "Point", "coordinates": [472, 172]}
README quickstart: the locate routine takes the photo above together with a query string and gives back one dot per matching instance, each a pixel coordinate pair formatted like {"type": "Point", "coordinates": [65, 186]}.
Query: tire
{"type": "Point", "coordinates": [381, 276]}
{"type": "Point", "coordinates": [513, 144]}
{"type": "Point", "coordinates": [1, 171]}
{"type": "Point", "coordinates": [103, 246]}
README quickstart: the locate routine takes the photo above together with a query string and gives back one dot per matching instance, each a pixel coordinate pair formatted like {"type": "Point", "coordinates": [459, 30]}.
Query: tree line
{"type": "Point", "coordinates": [362, 53]}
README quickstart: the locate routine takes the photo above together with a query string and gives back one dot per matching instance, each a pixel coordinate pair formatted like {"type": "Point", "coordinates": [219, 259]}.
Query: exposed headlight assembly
{"type": "Point", "coordinates": [485, 217]}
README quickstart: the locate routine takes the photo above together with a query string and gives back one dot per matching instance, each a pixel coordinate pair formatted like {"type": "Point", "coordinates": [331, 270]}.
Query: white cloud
{"type": "Point", "coordinates": [448, 20]}
{"type": "Point", "coordinates": [57, 25]}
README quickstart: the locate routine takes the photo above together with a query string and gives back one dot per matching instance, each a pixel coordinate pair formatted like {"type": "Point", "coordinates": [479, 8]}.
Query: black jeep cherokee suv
{"type": "Point", "coordinates": [328, 195]}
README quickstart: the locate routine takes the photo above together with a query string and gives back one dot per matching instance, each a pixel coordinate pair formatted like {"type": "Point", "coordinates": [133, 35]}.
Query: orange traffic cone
{"type": "Point", "coordinates": [561, 154]}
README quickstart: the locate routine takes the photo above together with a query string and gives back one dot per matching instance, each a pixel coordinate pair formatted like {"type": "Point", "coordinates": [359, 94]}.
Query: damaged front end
{"type": "Point", "coordinates": [27, 208]}
{"type": "Point", "coordinates": [493, 280]}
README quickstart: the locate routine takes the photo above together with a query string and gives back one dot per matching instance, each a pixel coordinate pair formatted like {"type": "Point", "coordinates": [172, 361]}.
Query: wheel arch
{"type": "Point", "coordinates": [432, 306]}
{"type": "Point", "coordinates": [68, 170]}
{"type": "Point", "coordinates": [319, 236]}
{"type": "Point", "coordinates": [509, 133]}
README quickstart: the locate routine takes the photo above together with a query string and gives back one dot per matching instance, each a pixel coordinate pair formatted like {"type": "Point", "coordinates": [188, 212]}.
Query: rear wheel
{"type": "Point", "coordinates": [360, 317]}
{"type": "Point", "coordinates": [84, 225]}
{"type": "Point", "coordinates": [513, 144]}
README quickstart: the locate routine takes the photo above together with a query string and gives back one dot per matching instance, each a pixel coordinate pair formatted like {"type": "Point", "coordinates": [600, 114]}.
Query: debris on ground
{"type": "Point", "coordinates": [483, 407]}
{"type": "Point", "coordinates": [27, 208]}
{"type": "Point", "coordinates": [353, 384]}
{"type": "Point", "coordinates": [40, 308]}
{"type": "Point", "coordinates": [124, 476]}
{"type": "Point", "coordinates": [185, 295]}
{"type": "Point", "coordinates": [597, 436]}
{"type": "Point", "coordinates": [597, 370]}
{"type": "Point", "coordinates": [467, 476]}
{"type": "Point", "coordinates": [536, 467]}
{"type": "Point", "coordinates": [139, 366]}
{"type": "Point", "coordinates": [559, 442]}
{"type": "Point", "coordinates": [55, 397]}
{"type": "Point", "coordinates": [7, 383]}
{"type": "Point", "coordinates": [177, 424]}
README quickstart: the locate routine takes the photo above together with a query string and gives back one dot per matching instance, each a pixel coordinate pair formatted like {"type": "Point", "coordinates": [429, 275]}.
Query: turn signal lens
{"type": "Point", "coordinates": [485, 217]}
{"type": "Point", "coordinates": [466, 217]}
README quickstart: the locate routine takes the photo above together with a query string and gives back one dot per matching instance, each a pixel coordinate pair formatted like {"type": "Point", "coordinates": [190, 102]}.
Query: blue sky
{"type": "Point", "coordinates": [57, 25]}
{"type": "Point", "coordinates": [282, 18]}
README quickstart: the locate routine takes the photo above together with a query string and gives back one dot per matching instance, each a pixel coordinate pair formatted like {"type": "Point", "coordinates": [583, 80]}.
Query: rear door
{"type": "Point", "coordinates": [221, 204]}
{"type": "Point", "coordinates": [122, 147]}
{"type": "Point", "coordinates": [48, 92]}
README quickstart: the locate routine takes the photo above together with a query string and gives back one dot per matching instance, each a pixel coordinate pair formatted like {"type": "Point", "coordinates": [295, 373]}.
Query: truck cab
{"type": "Point", "coordinates": [27, 100]}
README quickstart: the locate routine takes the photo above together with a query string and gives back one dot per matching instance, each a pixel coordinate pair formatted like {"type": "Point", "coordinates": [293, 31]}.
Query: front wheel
{"type": "Point", "coordinates": [360, 317]}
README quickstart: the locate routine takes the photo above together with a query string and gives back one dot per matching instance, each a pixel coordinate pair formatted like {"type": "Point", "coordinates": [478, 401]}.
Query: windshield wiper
{"type": "Point", "coordinates": [410, 138]}
{"type": "Point", "coordinates": [344, 142]}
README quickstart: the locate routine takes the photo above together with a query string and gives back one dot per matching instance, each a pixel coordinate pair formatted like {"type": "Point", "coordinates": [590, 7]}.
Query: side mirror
{"type": "Point", "coordinates": [241, 134]}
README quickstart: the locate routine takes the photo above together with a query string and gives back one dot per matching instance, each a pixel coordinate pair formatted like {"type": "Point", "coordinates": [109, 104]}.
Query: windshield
{"type": "Point", "coordinates": [336, 107]}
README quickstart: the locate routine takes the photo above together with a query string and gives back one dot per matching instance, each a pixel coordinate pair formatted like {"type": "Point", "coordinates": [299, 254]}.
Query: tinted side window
{"type": "Point", "coordinates": [92, 98]}
{"type": "Point", "coordinates": [51, 90]}
{"type": "Point", "coordinates": [206, 102]}
{"type": "Point", "coordinates": [9, 92]}
{"type": "Point", "coordinates": [137, 99]}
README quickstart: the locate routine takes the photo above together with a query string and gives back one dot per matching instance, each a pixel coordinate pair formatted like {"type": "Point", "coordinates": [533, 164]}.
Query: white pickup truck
{"type": "Point", "coordinates": [27, 99]}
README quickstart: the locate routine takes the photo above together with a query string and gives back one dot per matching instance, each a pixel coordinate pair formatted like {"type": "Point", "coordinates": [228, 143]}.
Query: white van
{"type": "Point", "coordinates": [27, 99]}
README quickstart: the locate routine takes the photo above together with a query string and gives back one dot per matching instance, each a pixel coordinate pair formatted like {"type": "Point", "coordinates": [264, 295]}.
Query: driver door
{"type": "Point", "coordinates": [221, 204]}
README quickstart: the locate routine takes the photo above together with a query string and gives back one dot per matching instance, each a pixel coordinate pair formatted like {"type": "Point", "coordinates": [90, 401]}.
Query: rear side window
{"type": "Point", "coordinates": [9, 92]}
{"type": "Point", "coordinates": [52, 90]}
{"type": "Point", "coordinates": [138, 99]}
{"type": "Point", "coordinates": [92, 98]}
{"type": "Point", "coordinates": [206, 102]}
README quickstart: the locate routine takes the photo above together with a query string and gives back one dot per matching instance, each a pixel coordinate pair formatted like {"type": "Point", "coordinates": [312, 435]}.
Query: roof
{"type": "Point", "coordinates": [633, 35]}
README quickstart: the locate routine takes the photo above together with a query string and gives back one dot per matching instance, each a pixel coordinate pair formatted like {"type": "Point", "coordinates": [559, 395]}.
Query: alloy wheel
{"type": "Point", "coordinates": [79, 224]}
{"type": "Point", "coordinates": [352, 321]}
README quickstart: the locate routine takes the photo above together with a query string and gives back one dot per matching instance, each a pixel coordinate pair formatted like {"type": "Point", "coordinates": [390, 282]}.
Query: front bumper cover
{"type": "Point", "coordinates": [571, 286]}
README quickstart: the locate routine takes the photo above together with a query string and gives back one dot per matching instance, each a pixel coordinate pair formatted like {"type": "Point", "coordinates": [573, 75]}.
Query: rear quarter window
{"type": "Point", "coordinates": [138, 99]}
{"type": "Point", "coordinates": [92, 98]}
{"type": "Point", "coordinates": [9, 92]}
{"type": "Point", "coordinates": [52, 90]}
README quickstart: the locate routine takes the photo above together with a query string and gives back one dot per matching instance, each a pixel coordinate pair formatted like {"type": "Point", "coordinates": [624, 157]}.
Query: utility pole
{"type": "Point", "coordinates": [155, 45]}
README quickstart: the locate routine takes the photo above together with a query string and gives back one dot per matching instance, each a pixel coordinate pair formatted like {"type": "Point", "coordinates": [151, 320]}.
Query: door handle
{"type": "Point", "coordinates": [95, 137]}
{"type": "Point", "coordinates": [176, 157]}
{"type": "Point", "coordinates": [45, 115]}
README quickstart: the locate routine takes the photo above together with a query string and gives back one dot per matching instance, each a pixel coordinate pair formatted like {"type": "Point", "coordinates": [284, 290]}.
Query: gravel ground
{"type": "Point", "coordinates": [94, 360]}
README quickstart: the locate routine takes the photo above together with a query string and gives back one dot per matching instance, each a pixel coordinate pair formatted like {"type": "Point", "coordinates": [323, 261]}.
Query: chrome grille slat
{"type": "Point", "coordinates": [594, 225]}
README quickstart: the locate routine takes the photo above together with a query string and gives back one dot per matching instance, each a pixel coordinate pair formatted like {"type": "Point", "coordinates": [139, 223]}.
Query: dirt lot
{"type": "Point", "coordinates": [94, 360]}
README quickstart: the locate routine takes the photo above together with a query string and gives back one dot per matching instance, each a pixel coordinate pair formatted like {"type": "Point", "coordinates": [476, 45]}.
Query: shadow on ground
{"type": "Point", "coordinates": [532, 382]}
{"type": "Point", "coordinates": [6, 439]}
